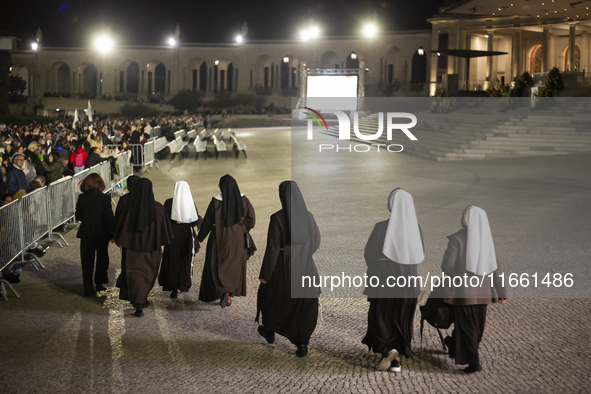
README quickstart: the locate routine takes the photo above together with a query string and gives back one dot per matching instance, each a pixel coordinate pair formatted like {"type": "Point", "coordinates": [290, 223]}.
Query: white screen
{"type": "Point", "coordinates": [332, 86]}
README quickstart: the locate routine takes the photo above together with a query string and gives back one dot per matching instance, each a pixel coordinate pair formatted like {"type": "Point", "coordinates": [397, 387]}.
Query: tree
{"type": "Point", "coordinates": [185, 100]}
{"type": "Point", "coordinates": [137, 110]}
{"type": "Point", "coordinates": [245, 98]}
{"type": "Point", "coordinates": [5, 64]}
{"type": "Point", "coordinates": [16, 87]}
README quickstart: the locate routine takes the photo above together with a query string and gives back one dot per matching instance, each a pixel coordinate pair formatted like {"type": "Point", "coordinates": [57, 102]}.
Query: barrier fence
{"type": "Point", "coordinates": [33, 218]}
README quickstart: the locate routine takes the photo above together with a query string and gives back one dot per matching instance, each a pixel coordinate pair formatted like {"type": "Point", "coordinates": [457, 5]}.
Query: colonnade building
{"type": "Point", "coordinates": [535, 36]}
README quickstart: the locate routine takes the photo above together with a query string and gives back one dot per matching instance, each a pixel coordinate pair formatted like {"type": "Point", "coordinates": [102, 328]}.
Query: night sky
{"type": "Point", "coordinates": [150, 22]}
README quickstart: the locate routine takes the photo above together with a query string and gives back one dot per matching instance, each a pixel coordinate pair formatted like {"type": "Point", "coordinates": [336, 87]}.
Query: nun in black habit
{"type": "Point", "coordinates": [228, 219]}
{"type": "Point", "coordinates": [177, 262]}
{"type": "Point", "coordinates": [292, 239]}
{"type": "Point", "coordinates": [132, 182]}
{"type": "Point", "coordinates": [142, 227]}
{"type": "Point", "coordinates": [394, 249]}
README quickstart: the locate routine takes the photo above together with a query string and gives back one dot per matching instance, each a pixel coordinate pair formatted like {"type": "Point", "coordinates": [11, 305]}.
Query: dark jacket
{"type": "Point", "coordinates": [53, 171]}
{"type": "Point", "coordinates": [95, 212]}
{"type": "Point", "coordinates": [93, 159]}
{"type": "Point", "coordinates": [15, 180]}
{"type": "Point", "coordinates": [454, 264]}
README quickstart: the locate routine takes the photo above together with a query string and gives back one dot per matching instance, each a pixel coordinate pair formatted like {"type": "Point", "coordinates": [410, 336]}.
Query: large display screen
{"type": "Point", "coordinates": [332, 86]}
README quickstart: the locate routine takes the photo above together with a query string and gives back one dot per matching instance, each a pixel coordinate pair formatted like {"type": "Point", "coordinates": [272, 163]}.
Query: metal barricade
{"type": "Point", "coordinates": [60, 207]}
{"type": "Point", "coordinates": [33, 220]}
{"type": "Point", "coordinates": [124, 164]}
{"type": "Point", "coordinates": [76, 181]}
{"type": "Point", "coordinates": [105, 173]}
{"type": "Point", "coordinates": [149, 153]}
{"type": "Point", "coordinates": [156, 132]}
{"type": "Point", "coordinates": [10, 241]}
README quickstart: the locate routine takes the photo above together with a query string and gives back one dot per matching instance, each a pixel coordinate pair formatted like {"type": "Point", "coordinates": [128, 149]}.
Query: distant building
{"type": "Point", "coordinates": [537, 35]}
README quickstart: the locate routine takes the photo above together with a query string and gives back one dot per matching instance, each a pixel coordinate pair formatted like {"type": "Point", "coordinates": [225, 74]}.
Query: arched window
{"type": "Point", "coordinates": [535, 60]}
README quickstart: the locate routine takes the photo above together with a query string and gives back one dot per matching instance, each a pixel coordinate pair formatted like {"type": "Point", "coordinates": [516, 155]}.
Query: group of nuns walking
{"type": "Point", "coordinates": [141, 226]}
{"type": "Point", "coordinates": [394, 249]}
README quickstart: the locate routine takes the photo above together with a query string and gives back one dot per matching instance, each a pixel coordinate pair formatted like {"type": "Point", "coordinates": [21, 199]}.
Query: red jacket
{"type": "Point", "coordinates": [73, 156]}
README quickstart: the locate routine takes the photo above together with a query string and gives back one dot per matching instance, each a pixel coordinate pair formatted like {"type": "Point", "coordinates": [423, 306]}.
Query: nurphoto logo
{"type": "Point", "coordinates": [345, 128]}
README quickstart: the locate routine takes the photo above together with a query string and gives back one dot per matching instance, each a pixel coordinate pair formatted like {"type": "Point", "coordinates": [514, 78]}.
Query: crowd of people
{"type": "Point", "coordinates": [159, 242]}
{"type": "Point", "coordinates": [45, 153]}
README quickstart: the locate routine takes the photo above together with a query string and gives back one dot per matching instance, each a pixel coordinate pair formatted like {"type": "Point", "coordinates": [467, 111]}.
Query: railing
{"type": "Point", "coordinates": [33, 218]}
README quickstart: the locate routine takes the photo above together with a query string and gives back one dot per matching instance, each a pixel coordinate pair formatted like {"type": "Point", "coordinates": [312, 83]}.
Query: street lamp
{"type": "Point", "coordinates": [304, 35]}
{"type": "Point", "coordinates": [103, 44]}
{"type": "Point", "coordinates": [353, 56]}
{"type": "Point", "coordinates": [421, 51]}
{"type": "Point", "coordinates": [239, 39]}
{"type": "Point", "coordinates": [313, 32]}
{"type": "Point", "coordinates": [217, 62]}
{"type": "Point", "coordinates": [34, 46]}
{"type": "Point", "coordinates": [370, 30]}
{"type": "Point", "coordinates": [171, 42]}
{"type": "Point", "coordinates": [286, 59]}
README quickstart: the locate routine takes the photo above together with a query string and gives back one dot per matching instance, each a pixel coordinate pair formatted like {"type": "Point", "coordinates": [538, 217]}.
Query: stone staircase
{"type": "Point", "coordinates": [474, 134]}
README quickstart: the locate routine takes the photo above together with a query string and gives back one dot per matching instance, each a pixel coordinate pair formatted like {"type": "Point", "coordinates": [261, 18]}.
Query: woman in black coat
{"type": "Point", "coordinates": [94, 210]}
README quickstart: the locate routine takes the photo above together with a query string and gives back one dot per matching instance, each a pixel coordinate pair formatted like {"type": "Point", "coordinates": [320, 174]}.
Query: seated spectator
{"type": "Point", "coordinates": [15, 177]}
{"type": "Point", "coordinates": [145, 138]}
{"type": "Point", "coordinates": [18, 194]}
{"type": "Point", "coordinates": [34, 185]}
{"type": "Point", "coordinates": [41, 180]}
{"type": "Point", "coordinates": [94, 158]}
{"type": "Point", "coordinates": [6, 199]}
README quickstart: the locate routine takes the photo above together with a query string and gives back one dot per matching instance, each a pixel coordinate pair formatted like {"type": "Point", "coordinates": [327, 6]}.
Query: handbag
{"type": "Point", "coordinates": [437, 313]}
{"type": "Point", "coordinates": [249, 244]}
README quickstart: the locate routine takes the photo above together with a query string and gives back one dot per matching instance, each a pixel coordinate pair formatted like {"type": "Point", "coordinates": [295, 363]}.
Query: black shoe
{"type": "Point", "coordinates": [226, 300]}
{"type": "Point", "coordinates": [472, 368]}
{"type": "Point", "coordinates": [267, 334]}
{"type": "Point", "coordinates": [100, 288]}
{"type": "Point", "coordinates": [395, 366]}
{"type": "Point", "coordinates": [450, 349]}
{"type": "Point", "coordinates": [302, 351]}
{"type": "Point", "coordinates": [386, 361]}
{"type": "Point", "coordinates": [139, 311]}
{"type": "Point", "coordinates": [39, 251]}
{"type": "Point", "coordinates": [174, 294]}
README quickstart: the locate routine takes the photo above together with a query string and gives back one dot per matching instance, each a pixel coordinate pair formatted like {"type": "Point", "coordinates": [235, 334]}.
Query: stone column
{"type": "Point", "coordinates": [517, 53]}
{"type": "Point", "coordinates": [545, 49]}
{"type": "Point", "coordinates": [572, 31]}
{"type": "Point", "coordinates": [434, 59]}
{"type": "Point", "coordinates": [489, 59]}
{"type": "Point", "coordinates": [585, 52]}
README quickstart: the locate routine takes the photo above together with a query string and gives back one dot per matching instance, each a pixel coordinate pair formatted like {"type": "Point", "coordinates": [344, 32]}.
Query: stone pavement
{"type": "Point", "coordinates": [53, 340]}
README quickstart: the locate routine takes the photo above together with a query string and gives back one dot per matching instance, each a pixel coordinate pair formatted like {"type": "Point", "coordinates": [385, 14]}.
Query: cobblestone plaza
{"type": "Point", "coordinates": [55, 340]}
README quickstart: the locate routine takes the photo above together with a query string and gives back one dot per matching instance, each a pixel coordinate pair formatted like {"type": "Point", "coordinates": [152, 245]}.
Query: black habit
{"type": "Point", "coordinates": [177, 268]}
{"type": "Point", "coordinates": [391, 309]}
{"type": "Point", "coordinates": [288, 305]}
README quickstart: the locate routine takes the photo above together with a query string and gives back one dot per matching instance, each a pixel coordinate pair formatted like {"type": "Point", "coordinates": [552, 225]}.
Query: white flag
{"type": "Point", "coordinates": [89, 112]}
